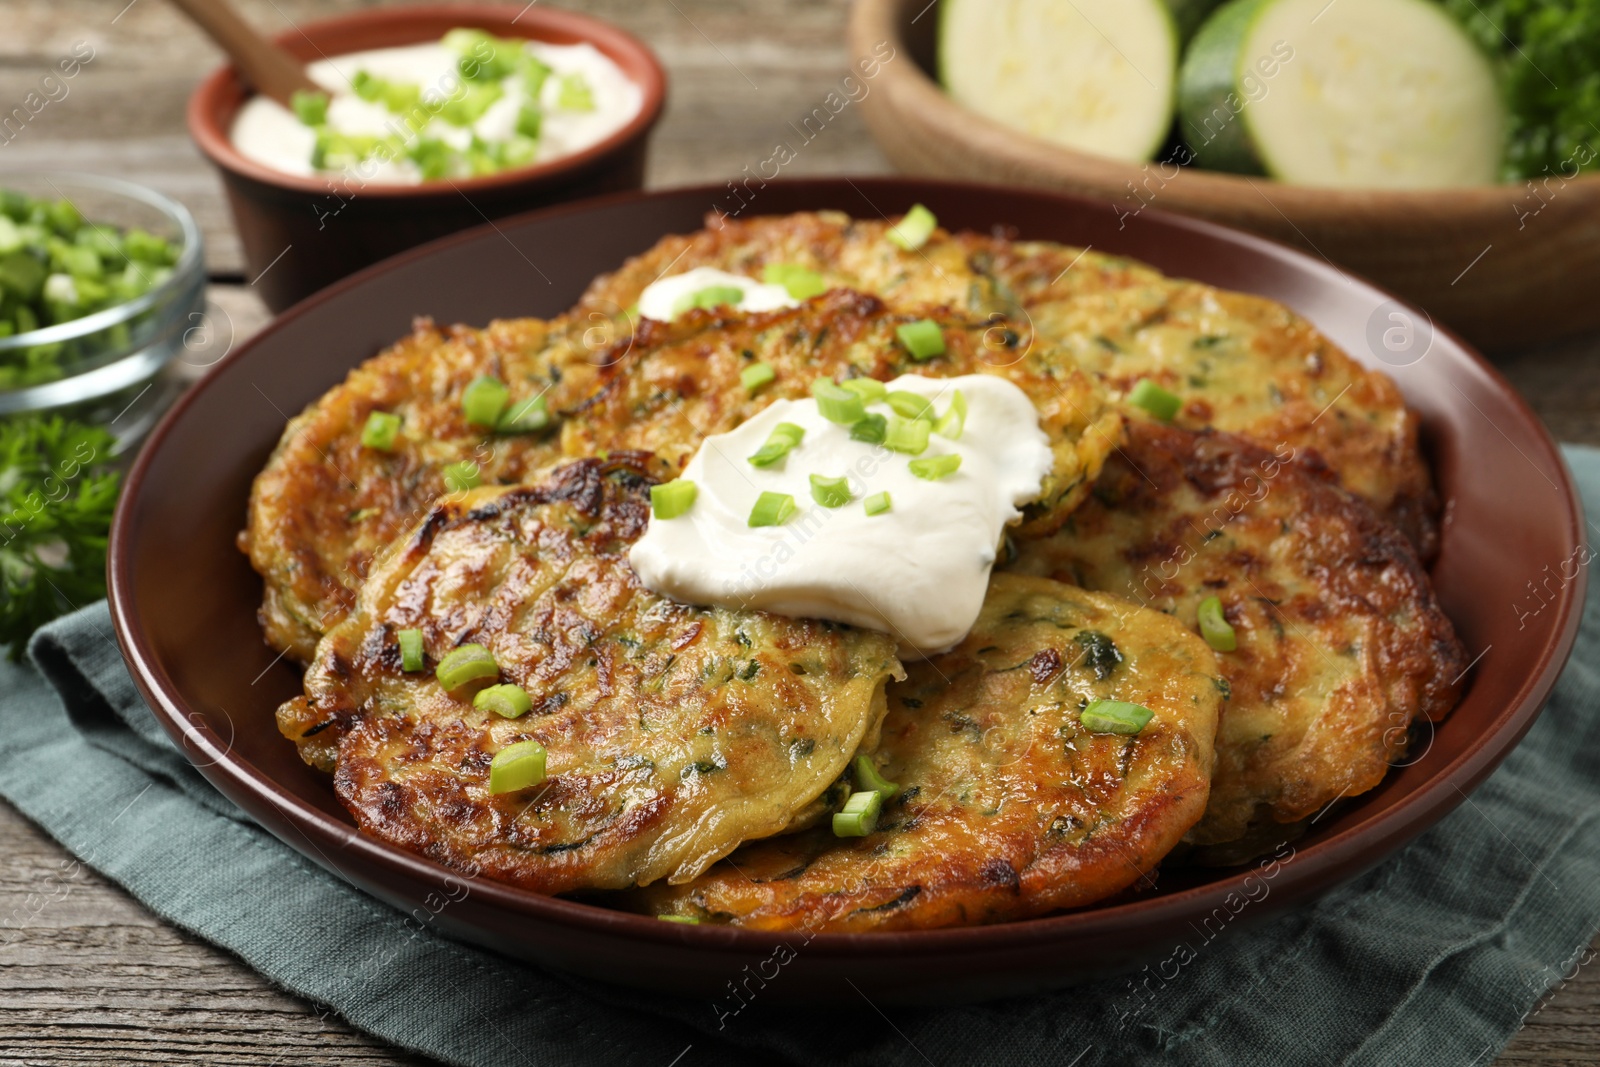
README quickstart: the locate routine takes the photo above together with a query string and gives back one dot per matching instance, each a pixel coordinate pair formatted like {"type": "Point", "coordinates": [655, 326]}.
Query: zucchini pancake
{"type": "Point", "coordinates": [673, 733]}
{"type": "Point", "coordinates": [1181, 535]}
{"type": "Point", "coordinates": [1001, 801]}
{"type": "Point", "coordinates": [1237, 362]}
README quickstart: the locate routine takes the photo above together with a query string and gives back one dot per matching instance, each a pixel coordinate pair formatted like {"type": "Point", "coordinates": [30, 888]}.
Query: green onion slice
{"type": "Point", "coordinates": [484, 400]}
{"type": "Point", "coordinates": [712, 296]}
{"type": "Point", "coordinates": [756, 375]}
{"type": "Point", "coordinates": [772, 509]}
{"type": "Point", "coordinates": [1115, 717]}
{"type": "Point", "coordinates": [830, 492]}
{"type": "Point", "coordinates": [932, 468]}
{"type": "Point", "coordinates": [530, 416]}
{"type": "Point", "coordinates": [672, 499]}
{"type": "Point", "coordinates": [380, 431]}
{"type": "Point", "coordinates": [838, 404]}
{"type": "Point", "coordinates": [868, 777]}
{"type": "Point", "coordinates": [411, 658]}
{"type": "Point", "coordinates": [1150, 397]}
{"type": "Point", "coordinates": [505, 700]}
{"type": "Point", "coordinates": [910, 405]}
{"type": "Point", "coordinates": [877, 503]}
{"type": "Point", "coordinates": [954, 421]}
{"type": "Point", "coordinates": [907, 435]}
{"type": "Point", "coordinates": [464, 664]}
{"type": "Point", "coordinates": [310, 107]}
{"type": "Point", "coordinates": [870, 390]}
{"type": "Point", "coordinates": [516, 767]}
{"type": "Point", "coordinates": [923, 339]}
{"type": "Point", "coordinates": [871, 429]}
{"type": "Point", "coordinates": [689, 920]}
{"type": "Point", "coordinates": [913, 231]}
{"type": "Point", "coordinates": [463, 475]}
{"type": "Point", "coordinates": [802, 283]}
{"type": "Point", "coordinates": [860, 815]}
{"type": "Point", "coordinates": [1214, 628]}
{"type": "Point", "coordinates": [784, 438]}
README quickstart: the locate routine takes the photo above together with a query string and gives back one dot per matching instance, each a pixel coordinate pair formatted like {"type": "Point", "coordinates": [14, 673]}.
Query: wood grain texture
{"type": "Point", "coordinates": [1496, 262]}
{"type": "Point", "coordinates": [91, 976]}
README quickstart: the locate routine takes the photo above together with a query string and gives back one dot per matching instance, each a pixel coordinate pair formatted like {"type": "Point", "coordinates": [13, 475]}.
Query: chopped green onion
{"type": "Point", "coordinates": [872, 429]}
{"type": "Point", "coordinates": [838, 404]}
{"type": "Point", "coordinates": [530, 416]}
{"type": "Point", "coordinates": [507, 701]}
{"type": "Point", "coordinates": [923, 339]}
{"type": "Point", "coordinates": [877, 503]}
{"type": "Point", "coordinates": [461, 476]}
{"type": "Point", "coordinates": [907, 435]}
{"type": "Point", "coordinates": [1157, 401]}
{"type": "Point", "coordinates": [910, 405]}
{"type": "Point", "coordinates": [772, 509]}
{"type": "Point", "coordinates": [686, 919]}
{"type": "Point", "coordinates": [310, 107]}
{"type": "Point", "coordinates": [783, 439]}
{"type": "Point", "coordinates": [411, 658]}
{"type": "Point", "coordinates": [1214, 628]}
{"type": "Point", "coordinates": [913, 231]}
{"type": "Point", "coordinates": [868, 777]}
{"type": "Point", "coordinates": [860, 815]}
{"type": "Point", "coordinates": [530, 120]}
{"type": "Point", "coordinates": [380, 431]}
{"type": "Point", "coordinates": [756, 375]}
{"type": "Point", "coordinates": [802, 284]}
{"type": "Point", "coordinates": [870, 390]}
{"type": "Point", "coordinates": [575, 94]}
{"type": "Point", "coordinates": [830, 492]}
{"type": "Point", "coordinates": [672, 499]}
{"type": "Point", "coordinates": [1115, 717]}
{"type": "Point", "coordinates": [932, 468]}
{"type": "Point", "coordinates": [712, 296]}
{"type": "Point", "coordinates": [516, 767]}
{"type": "Point", "coordinates": [465, 664]}
{"type": "Point", "coordinates": [954, 421]}
{"type": "Point", "coordinates": [484, 399]}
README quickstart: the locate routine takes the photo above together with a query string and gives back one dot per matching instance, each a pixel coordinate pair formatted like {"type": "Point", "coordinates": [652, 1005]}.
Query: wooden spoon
{"type": "Point", "coordinates": [273, 72]}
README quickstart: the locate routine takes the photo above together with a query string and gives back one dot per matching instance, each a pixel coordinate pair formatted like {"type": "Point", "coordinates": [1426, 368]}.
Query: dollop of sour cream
{"type": "Point", "coordinates": [661, 298]}
{"type": "Point", "coordinates": [918, 571]}
{"type": "Point", "coordinates": [270, 134]}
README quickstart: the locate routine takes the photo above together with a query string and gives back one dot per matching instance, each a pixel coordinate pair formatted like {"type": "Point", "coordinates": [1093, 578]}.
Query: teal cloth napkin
{"type": "Point", "coordinates": [1434, 958]}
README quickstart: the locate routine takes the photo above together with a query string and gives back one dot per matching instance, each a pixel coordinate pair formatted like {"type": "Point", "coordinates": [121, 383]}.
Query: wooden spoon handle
{"type": "Point", "coordinates": [270, 69]}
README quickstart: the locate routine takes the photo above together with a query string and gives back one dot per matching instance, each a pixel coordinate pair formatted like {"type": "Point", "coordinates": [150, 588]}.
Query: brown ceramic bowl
{"type": "Point", "coordinates": [301, 233]}
{"type": "Point", "coordinates": [185, 615]}
{"type": "Point", "coordinates": [1505, 265]}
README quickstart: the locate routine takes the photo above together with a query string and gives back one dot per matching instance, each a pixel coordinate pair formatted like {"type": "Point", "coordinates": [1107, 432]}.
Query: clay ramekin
{"type": "Point", "coordinates": [301, 233]}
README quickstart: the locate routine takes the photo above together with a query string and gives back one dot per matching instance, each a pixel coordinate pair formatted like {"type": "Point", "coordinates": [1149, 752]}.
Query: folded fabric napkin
{"type": "Point", "coordinates": [1435, 957]}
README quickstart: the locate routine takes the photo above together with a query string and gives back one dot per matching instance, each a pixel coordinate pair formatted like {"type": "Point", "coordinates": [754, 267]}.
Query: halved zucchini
{"type": "Point", "coordinates": [1356, 93]}
{"type": "Point", "coordinates": [1095, 75]}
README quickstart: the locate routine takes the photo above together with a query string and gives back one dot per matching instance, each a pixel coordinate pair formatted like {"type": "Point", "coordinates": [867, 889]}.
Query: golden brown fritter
{"type": "Point", "coordinates": [1240, 363]}
{"type": "Point", "coordinates": [1340, 640]}
{"type": "Point", "coordinates": [848, 253]}
{"type": "Point", "coordinates": [1007, 806]}
{"type": "Point", "coordinates": [324, 504]}
{"type": "Point", "coordinates": [673, 732]}
{"type": "Point", "coordinates": [680, 383]}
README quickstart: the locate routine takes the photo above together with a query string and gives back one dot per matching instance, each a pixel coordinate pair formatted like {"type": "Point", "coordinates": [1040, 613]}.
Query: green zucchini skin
{"type": "Point", "coordinates": [1210, 103]}
{"type": "Point", "coordinates": [1189, 15]}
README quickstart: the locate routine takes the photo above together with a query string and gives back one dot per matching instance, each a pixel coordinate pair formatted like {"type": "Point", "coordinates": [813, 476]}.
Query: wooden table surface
{"type": "Point", "coordinates": [96, 977]}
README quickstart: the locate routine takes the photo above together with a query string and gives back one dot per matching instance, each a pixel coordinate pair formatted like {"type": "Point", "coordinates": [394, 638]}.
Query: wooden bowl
{"type": "Point", "coordinates": [1504, 265]}
{"type": "Point", "coordinates": [186, 613]}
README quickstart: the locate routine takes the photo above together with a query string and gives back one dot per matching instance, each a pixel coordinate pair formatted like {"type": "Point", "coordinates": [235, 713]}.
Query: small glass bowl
{"type": "Point", "coordinates": [110, 361]}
